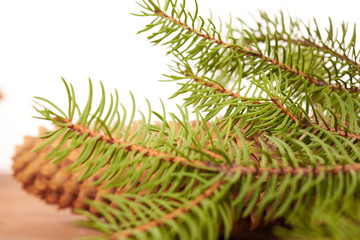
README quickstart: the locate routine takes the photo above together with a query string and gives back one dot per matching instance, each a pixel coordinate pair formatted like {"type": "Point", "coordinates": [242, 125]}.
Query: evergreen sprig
{"type": "Point", "coordinates": [303, 70]}
{"type": "Point", "coordinates": [283, 147]}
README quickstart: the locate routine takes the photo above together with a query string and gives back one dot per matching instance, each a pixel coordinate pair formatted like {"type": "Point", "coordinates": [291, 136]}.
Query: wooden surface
{"type": "Point", "coordinates": [25, 217]}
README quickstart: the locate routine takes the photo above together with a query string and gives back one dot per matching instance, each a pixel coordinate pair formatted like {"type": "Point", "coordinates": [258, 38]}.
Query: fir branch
{"type": "Point", "coordinates": [83, 132]}
{"type": "Point", "coordinates": [307, 43]}
{"type": "Point", "coordinates": [332, 54]}
{"type": "Point", "coordinates": [129, 147]}
{"type": "Point", "coordinates": [208, 166]}
{"type": "Point", "coordinates": [290, 147]}
{"type": "Point", "coordinates": [170, 216]}
{"type": "Point", "coordinates": [250, 52]}
{"type": "Point", "coordinates": [129, 159]}
{"type": "Point", "coordinates": [304, 122]}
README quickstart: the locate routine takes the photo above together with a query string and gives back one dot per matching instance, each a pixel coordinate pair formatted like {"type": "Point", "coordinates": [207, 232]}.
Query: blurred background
{"type": "Point", "coordinates": [42, 41]}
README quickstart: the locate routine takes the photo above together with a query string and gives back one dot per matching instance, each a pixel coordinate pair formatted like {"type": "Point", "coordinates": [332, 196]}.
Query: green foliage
{"type": "Point", "coordinates": [276, 134]}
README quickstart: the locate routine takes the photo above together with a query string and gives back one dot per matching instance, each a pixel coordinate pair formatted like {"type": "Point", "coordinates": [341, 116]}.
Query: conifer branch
{"type": "Point", "coordinates": [307, 43]}
{"type": "Point", "coordinates": [330, 51]}
{"type": "Point", "coordinates": [304, 122]}
{"type": "Point", "coordinates": [250, 52]}
{"type": "Point", "coordinates": [82, 130]}
{"type": "Point", "coordinates": [284, 147]}
{"type": "Point", "coordinates": [170, 216]}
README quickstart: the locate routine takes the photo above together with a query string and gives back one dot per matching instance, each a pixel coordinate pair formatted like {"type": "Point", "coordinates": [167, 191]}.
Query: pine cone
{"type": "Point", "coordinates": [52, 182]}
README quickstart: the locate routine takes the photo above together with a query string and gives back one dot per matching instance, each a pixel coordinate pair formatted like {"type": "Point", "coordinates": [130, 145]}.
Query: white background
{"type": "Point", "coordinates": [42, 40]}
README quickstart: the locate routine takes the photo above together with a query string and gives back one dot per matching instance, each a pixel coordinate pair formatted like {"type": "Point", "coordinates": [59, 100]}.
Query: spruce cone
{"type": "Point", "coordinates": [52, 182]}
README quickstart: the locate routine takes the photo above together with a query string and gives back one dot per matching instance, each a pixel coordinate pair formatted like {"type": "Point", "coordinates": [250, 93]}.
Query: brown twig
{"type": "Point", "coordinates": [283, 171]}
{"type": "Point", "coordinates": [340, 132]}
{"type": "Point", "coordinates": [217, 87]}
{"type": "Point", "coordinates": [285, 111]}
